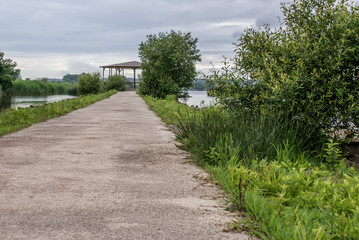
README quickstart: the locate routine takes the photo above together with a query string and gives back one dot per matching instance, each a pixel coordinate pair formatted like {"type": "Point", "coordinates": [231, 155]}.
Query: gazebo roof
{"type": "Point", "coordinates": [132, 65]}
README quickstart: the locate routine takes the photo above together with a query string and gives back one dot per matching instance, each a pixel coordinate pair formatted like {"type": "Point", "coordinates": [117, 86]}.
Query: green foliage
{"type": "Point", "coordinates": [38, 87]}
{"type": "Point", "coordinates": [89, 84]}
{"type": "Point", "coordinates": [200, 85]}
{"type": "Point", "coordinates": [332, 153]}
{"type": "Point", "coordinates": [289, 186]}
{"type": "Point", "coordinates": [8, 73]}
{"type": "Point", "coordinates": [116, 82]}
{"type": "Point", "coordinates": [72, 78]}
{"type": "Point", "coordinates": [169, 109]}
{"type": "Point", "coordinates": [293, 200]}
{"type": "Point", "coordinates": [12, 120]}
{"type": "Point", "coordinates": [257, 135]}
{"type": "Point", "coordinates": [168, 64]}
{"type": "Point", "coordinates": [308, 66]}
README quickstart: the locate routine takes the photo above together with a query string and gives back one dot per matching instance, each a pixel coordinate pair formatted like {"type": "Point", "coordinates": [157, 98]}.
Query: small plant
{"type": "Point", "coordinates": [332, 153]}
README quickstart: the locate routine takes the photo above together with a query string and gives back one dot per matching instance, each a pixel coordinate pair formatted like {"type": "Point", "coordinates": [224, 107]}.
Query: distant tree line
{"type": "Point", "coordinates": [72, 78]}
{"type": "Point", "coordinates": [200, 85]}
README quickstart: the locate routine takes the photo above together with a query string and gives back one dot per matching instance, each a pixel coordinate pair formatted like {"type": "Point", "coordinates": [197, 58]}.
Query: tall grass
{"type": "Point", "coordinates": [37, 87]}
{"type": "Point", "coordinates": [12, 120]}
{"type": "Point", "coordinates": [289, 181]}
{"type": "Point", "coordinates": [258, 136]}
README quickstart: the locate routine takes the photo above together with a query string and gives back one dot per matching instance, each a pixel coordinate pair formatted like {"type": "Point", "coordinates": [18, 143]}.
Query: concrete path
{"type": "Point", "coordinates": [108, 171]}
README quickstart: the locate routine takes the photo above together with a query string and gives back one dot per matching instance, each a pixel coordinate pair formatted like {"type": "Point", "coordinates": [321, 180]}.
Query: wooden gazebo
{"type": "Point", "coordinates": [120, 67]}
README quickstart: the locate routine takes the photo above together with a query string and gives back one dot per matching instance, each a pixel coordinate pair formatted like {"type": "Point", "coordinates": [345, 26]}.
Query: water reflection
{"type": "Point", "coordinates": [27, 101]}
{"type": "Point", "coordinates": [199, 98]}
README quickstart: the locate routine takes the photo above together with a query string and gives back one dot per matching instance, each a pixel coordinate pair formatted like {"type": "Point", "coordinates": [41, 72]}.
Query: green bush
{"type": "Point", "coordinates": [89, 84]}
{"type": "Point", "coordinates": [8, 73]}
{"type": "Point", "coordinates": [116, 82]}
{"type": "Point", "coordinates": [168, 64]}
{"type": "Point", "coordinates": [308, 67]}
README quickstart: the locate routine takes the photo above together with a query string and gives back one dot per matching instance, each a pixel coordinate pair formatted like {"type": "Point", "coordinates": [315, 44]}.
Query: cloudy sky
{"type": "Point", "coordinates": [50, 38]}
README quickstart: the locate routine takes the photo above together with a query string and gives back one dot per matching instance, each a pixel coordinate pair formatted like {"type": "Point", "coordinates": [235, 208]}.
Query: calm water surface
{"type": "Point", "coordinates": [199, 98]}
{"type": "Point", "coordinates": [27, 101]}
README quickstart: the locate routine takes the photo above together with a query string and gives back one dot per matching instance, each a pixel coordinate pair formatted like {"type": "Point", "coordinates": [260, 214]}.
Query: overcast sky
{"type": "Point", "coordinates": [50, 38]}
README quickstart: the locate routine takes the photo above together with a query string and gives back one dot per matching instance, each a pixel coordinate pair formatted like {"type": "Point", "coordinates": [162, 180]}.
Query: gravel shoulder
{"type": "Point", "coordinates": [107, 171]}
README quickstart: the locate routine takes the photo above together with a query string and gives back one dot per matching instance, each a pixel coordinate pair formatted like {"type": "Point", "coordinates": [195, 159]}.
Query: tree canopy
{"type": "Point", "coordinates": [168, 64]}
{"type": "Point", "coordinates": [8, 73]}
{"type": "Point", "coordinates": [307, 67]}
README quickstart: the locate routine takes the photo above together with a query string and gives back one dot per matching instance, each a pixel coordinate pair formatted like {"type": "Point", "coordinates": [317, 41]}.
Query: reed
{"type": "Point", "coordinates": [37, 87]}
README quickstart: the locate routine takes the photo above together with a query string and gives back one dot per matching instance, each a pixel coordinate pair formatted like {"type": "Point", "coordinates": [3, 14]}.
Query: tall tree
{"type": "Point", "coordinates": [168, 64]}
{"type": "Point", "coordinates": [8, 73]}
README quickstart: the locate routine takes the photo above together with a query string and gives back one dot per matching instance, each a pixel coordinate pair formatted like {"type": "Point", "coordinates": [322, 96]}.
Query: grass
{"type": "Point", "coordinates": [13, 120]}
{"type": "Point", "coordinates": [289, 182]}
{"type": "Point", "coordinates": [38, 87]}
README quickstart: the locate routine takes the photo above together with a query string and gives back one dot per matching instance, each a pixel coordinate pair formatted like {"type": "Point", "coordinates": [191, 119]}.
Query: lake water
{"type": "Point", "coordinates": [199, 98]}
{"type": "Point", "coordinates": [27, 101]}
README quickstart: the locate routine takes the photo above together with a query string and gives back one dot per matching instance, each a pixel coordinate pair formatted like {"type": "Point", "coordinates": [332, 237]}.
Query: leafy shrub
{"type": "Point", "coordinates": [308, 67]}
{"type": "Point", "coordinates": [116, 82]}
{"type": "Point", "coordinates": [89, 84]}
{"type": "Point", "coordinates": [8, 73]}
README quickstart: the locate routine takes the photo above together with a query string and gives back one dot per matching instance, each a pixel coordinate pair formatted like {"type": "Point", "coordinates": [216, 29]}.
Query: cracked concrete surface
{"type": "Point", "coordinates": [107, 171]}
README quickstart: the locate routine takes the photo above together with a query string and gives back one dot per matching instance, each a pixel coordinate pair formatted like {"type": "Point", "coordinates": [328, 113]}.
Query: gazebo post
{"type": "Point", "coordinates": [121, 67]}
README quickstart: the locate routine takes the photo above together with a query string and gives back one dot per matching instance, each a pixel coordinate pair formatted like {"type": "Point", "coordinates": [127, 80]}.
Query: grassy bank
{"type": "Point", "coordinates": [37, 87]}
{"type": "Point", "coordinates": [286, 180]}
{"type": "Point", "coordinates": [12, 120]}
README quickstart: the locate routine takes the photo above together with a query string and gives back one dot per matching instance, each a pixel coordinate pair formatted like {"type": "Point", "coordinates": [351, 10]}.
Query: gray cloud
{"type": "Point", "coordinates": [70, 30]}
